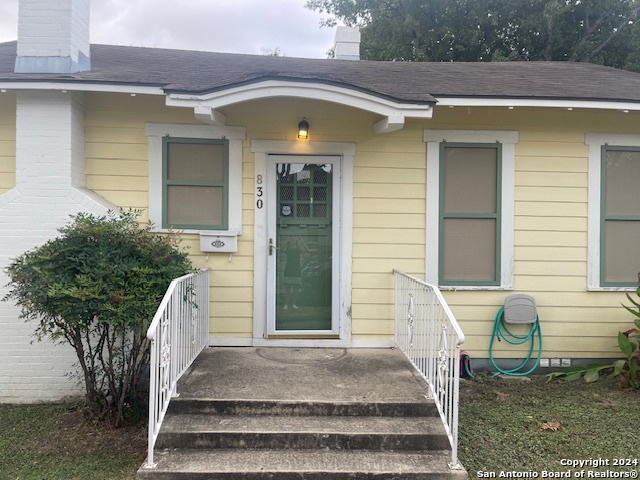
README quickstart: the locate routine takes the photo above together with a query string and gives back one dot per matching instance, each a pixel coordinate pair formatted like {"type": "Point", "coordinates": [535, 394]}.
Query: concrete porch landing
{"type": "Point", "coordinates": [303, 374]}
{"type": "Point", "coordinates": [301, 413]}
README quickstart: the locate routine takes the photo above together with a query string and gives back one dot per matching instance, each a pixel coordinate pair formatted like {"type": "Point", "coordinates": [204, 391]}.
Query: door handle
{"type": "Point", "coordinates": [272, 246]}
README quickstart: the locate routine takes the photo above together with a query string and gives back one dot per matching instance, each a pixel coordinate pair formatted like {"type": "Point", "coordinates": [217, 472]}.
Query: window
{"type": "Point", "coordinates": [470, 208]}
{"type": "Point", "coordinates": [195, 178]}
{"type": "Point", "coordinates": [614, 211]}
{"type": "Point", "coordinates": [191, 167]}
{"type": "Point", "coordinates": [620, 216]}
{"type": "Point", "coordinates": [470, 214]}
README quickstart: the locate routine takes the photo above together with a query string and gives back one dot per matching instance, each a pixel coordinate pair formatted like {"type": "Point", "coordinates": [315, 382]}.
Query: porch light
{"type": "Point", "coordinates": [303, 129]}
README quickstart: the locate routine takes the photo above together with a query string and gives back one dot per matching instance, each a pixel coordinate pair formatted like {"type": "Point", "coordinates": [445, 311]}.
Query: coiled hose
{"type": "Point", "coordinates": [501, 332]}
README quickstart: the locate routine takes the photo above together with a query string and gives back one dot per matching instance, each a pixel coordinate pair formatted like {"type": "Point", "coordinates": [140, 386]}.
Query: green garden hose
{"type": "Point", "coordinates": [501, 332]}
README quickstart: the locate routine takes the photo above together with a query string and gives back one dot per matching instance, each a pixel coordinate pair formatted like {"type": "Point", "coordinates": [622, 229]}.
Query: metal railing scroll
{"type": "Point", "coordinates": [178, 333]}
{"type": "Point", "coordinates": [429, 335]}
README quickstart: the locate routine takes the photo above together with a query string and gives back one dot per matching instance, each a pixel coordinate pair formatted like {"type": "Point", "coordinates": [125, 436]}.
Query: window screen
{"type": "Point", "coordinates": [195, 174]}
{"type": "Point", "coordinates": [620, 222]}
{"type": "Point", "coordinates": [469, 214]}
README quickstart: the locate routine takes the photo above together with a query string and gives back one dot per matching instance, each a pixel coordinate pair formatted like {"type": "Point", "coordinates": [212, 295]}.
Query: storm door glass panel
{"type": "Point", "coordinates": [621, 217]}
{"type": "Point", "coordinates": [469, 214]}
{"type": "Point", "coordinates": [304, 255]}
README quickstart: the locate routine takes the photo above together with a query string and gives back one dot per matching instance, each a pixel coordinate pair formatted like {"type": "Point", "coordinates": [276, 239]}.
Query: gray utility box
{"type": "Point", "coordinates": [520, 308]}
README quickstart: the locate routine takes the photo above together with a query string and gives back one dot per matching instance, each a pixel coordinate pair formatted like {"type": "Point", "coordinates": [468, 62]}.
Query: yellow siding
{"type": "Point", "coordinates": [551, 233]}
{"type": "Point", "coordinates": [117, 168]}
{"type": "Point", "coordinates": [551, 254]}
{"type": "Point", "coordinates": [7, 141]}
{"type": "Point", "coordinates": [389, 225]}
{"type": "Point", "coordinates": [389, 220]}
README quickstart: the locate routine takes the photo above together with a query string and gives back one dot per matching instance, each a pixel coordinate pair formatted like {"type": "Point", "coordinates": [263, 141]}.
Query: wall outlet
{"type": "Point", "coordinates": [555, 362]}
{"type": "Point", "coordinates": [544, 362]}
{"type": "Point", "coordinates": [566, 362]}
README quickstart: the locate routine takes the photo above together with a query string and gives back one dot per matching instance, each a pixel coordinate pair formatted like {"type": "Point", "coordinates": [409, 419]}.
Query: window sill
{"type": "Point", "coordinates": [611, 289]}
{"type": "Point", "coordinates": [471, 288]}
{"type": "Point", "coordinates": [191, 231]}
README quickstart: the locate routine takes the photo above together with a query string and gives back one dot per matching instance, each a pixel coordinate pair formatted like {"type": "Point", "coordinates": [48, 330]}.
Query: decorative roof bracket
{"type": "Point", "coordinates": [210, 116]}
{"type": "Point", "coordinates": [389, 124]}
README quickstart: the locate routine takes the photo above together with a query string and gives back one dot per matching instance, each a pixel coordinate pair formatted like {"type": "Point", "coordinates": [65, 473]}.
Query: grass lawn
{"type": "Point", "coordinates": [56, 442]}
{"type": "Point", "coordinates": [508, 425]}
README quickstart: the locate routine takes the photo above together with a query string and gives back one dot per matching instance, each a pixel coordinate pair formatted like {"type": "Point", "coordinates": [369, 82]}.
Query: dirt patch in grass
{"type": "Point", "coordinates": [58, 442]}
{"type": "Point", "coordinates": [514, 425]}
{"type": "Point", "coordinates": [75, 436]}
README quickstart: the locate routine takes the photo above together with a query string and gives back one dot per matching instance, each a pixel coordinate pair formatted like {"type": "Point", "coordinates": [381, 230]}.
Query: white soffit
{"type": "Point", "coordinates": [394, 112]}
{"type": "Point", "coordinates": [540, 103]}
{"type": "Point", "coordinates": [82, 87]}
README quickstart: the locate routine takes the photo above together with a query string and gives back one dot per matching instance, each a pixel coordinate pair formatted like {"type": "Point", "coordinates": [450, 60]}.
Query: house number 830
{"type": "Point", "coordinates": [259, 192]}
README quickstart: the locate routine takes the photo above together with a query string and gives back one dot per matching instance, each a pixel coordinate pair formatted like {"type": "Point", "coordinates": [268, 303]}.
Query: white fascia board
{"type": "Point", "coordinates": [82, 87]}
{"type": "Point", "coordinates": [526, 102]}
{"type": "Point", "coordinates": [314, 91]}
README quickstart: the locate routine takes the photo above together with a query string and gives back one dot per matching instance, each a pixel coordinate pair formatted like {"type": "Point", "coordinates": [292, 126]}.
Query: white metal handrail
{"type": "Point", "coordinates": [178, 333]}
{"type": "Point", "coordinates": [429, 335]}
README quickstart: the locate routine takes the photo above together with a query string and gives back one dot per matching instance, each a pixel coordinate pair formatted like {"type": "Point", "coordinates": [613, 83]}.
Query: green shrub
{"type": "Point", "coordinates": [629, 343]}
{"type": "Point", "coordinates": [625, 369]}
{"type": "Point", "coordinates": [97, 287]}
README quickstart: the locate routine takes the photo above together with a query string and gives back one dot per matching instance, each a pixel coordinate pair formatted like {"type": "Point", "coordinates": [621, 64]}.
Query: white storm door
{"type": "Point", "coordinates": [303, 231]}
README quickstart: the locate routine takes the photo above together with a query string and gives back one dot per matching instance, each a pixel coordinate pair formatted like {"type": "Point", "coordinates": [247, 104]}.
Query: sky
{"type": "Point", "coordinates": [233, 26]}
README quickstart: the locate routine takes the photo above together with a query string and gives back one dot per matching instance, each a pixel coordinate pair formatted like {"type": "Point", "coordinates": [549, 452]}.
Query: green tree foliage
{"type": "Point", "coordinates": [97, 287]}
{"type": "Point", "coordinates": [606, 32]}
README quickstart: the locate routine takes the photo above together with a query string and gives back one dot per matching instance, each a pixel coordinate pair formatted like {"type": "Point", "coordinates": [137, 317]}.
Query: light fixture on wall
{"type": "Point", "coordinates": [303, 129]}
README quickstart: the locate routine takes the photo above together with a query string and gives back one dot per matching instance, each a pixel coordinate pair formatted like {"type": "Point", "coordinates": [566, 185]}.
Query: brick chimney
{"type": "Point", "coordinates": [53, 36]}
{"type": "Point", "coordinates": [347, 43]}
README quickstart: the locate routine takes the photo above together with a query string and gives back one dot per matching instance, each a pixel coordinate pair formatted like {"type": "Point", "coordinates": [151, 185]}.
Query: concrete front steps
{"type": "Point", "coordinates": [281, 440]}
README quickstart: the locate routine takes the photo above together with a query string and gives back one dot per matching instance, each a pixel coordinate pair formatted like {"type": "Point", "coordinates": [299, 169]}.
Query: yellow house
{"type": "Point", "coordinates": [485, 179]}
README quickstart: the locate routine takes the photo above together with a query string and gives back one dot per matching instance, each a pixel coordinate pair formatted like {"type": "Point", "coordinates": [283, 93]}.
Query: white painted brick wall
{"type": "Point", "coordinates": [53, 28]}
{"type": "Point", "coordinates": [50, 176]}
{"type": "Point", "coordinates": [347, 43]}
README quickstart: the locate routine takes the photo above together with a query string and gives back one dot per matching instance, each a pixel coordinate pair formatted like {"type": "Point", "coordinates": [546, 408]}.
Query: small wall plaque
{"type": "Point", "coordinates": [218, 243]}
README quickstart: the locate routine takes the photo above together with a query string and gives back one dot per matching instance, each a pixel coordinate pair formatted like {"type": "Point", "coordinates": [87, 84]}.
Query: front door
{"type": "Point", "coordinates": [303, 262]}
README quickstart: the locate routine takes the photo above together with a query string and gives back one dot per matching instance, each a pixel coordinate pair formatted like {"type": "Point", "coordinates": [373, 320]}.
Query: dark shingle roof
{"type": "Point", "coordinates": [184, 71]}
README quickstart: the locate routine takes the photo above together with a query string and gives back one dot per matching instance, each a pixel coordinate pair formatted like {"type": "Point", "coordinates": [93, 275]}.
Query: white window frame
{"type": "Point", "coordinates": [508, 139]}
{"type": "Point", "coordinates": [595, 142]}
{"type": "Point", "coordinates": [235, 135]}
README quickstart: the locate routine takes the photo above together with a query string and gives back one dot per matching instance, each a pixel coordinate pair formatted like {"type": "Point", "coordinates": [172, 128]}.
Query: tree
{"type": "Point", "coordinates": [598, 31]}
{"type": "Point", "coordinates": [271, 52]}
{"type": "Point", "coordinates": [97, 287]}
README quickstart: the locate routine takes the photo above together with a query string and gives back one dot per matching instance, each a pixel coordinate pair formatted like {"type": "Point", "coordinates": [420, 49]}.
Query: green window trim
{"type": "Point", "coordinates": [224, 183]}
{"type": "Point", "coordinates": [443, 215]}
{"type": "Point", "coordinates": [604, 217]}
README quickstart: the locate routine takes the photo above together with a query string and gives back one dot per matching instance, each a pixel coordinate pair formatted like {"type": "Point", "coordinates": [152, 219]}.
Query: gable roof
{"type": "Point", "coordinates": [199, 73]}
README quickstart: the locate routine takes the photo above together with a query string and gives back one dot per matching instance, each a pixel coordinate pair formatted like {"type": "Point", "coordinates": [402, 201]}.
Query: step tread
{"type": "Point", "coordinates": [199, 423]}
{"type": "Point", "coordinates": [302, 461]}
{"type": "Point", "coordinates": [185, 404]}
{"type": "Point", "coordinates": [366, 401]}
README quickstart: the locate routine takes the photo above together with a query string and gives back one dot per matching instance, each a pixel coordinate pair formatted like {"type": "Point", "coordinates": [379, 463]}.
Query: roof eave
{"type": "Point", "coordinates": [425, 99]}
{"type": "Point", "coordinates": [393, 112]}
{"type": "Point", "coordinates": [539, 102]}
{"type": "Point", "coordinates": [318, 90]}
{"type": "Point", "coordinates": [75, 85]}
